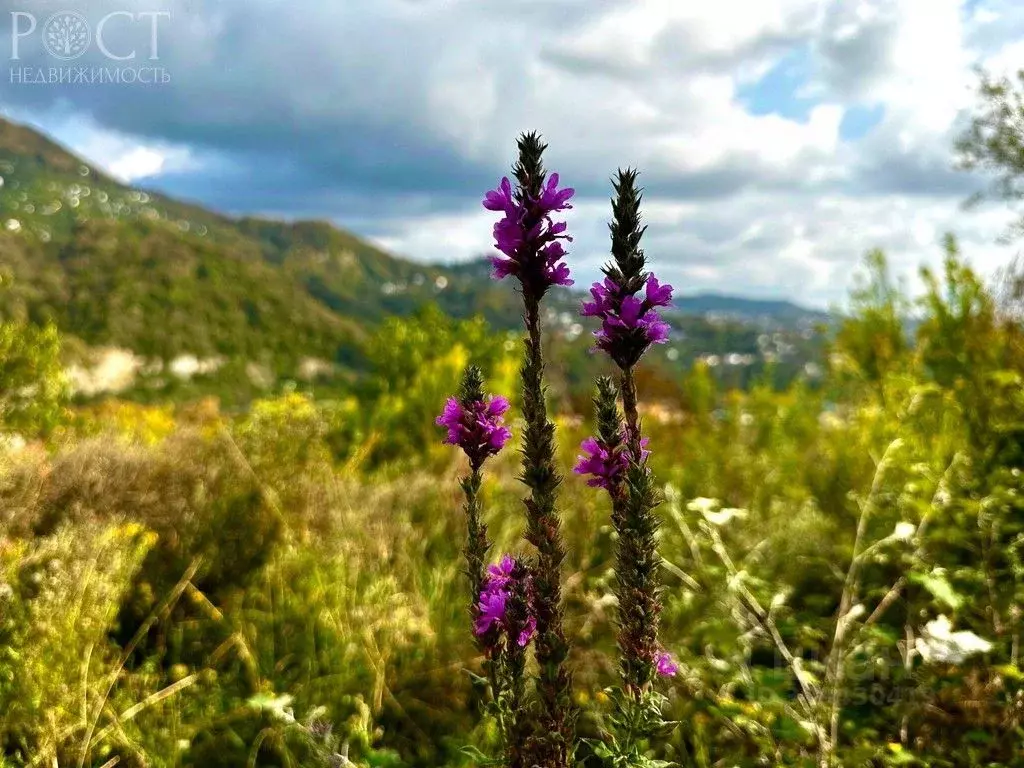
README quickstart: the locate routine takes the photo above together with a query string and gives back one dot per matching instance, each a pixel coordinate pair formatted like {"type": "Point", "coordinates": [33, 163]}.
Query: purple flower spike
{"type": "Point", "coordinates": [505, 607]}
{"type": "Point", "coordinates": [477, 427]}
{"type": "Point", "coordinates": [606, 465]}
{"type": "Point", "coordinates": [665, 664]}
{"type": "Point", "coordinates": [527, 236]}
{"type": "Point", "coordinates": [629, 324]}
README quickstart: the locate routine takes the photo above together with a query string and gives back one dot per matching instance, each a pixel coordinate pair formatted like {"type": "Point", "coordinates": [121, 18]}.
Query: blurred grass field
{"type": "Point", "coordinates": [181, 586]}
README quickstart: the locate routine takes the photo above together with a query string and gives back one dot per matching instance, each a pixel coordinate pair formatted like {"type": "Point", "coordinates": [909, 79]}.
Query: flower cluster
{"type": "Point", "coordinates": [506, 602]}
{"type": "Point", "coordinates": [528, 237]}
{"type": "Point", "coordinates": [629, 324]}
{"type": "Point", "coordinates": [476, 426]}
{"type": "Point", "coordinates": [665, 665]}
{"type": "Point", "coordinates": [606, 463]}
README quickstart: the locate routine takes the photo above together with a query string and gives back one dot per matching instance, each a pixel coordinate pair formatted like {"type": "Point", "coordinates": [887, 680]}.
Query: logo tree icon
{"type": "Point", "coordinates": [66, 35]}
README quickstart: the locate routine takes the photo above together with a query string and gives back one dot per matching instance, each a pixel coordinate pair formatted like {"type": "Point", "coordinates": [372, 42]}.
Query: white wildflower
{"type": "Point", "coordinates": [724, 516]}
{"type": "Point", "coordinates": [940, 644]}
{"type": "Point", "coordinates": [904, 531]}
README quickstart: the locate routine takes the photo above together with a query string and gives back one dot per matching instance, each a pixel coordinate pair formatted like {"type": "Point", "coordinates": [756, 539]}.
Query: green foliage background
{"type": "Point", "coordinates": [185, 587]}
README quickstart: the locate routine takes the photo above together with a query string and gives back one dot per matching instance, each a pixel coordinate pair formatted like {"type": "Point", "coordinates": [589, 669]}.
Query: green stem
{"type": "Point", "coordinates": [475, 550]}
{"type": "Point", "coordinates": [629, 406]}
{"type": "Point", "coordinates": [637, 560]}
{"type": "Point", "coordinates": [555, 737]}
{"type": "Point", "coordinates": [477, 544]}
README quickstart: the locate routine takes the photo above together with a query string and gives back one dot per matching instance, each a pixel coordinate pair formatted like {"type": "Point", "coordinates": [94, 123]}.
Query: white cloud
{"type": "Point", "coordinates": [138, 163]}
{"type": "Point", "coordinates": [765, 204]}
{"type": "Point", "coordinates": [128, 159]}
{"type": "Point", "coordinates": [641, 37]}
{"type": "Point", "coordinates": [759, 244]}
{"type": "Point", "coordinates": [125, 157]}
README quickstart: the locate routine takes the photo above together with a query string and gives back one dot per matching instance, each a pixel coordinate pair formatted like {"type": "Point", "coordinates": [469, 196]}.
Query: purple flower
{"type": "Point", "coordinates": [554, 199]}
{"type": "Point", "coordinates": [602, 303]}
{"type": "Point", "coordinates": [629, 325]}
{"type": "Point", "coordinates": [528, 237]}
{"type": "Point", "coordinates": [476, 427]}
{"type": "Point", "coordinates": [658, 295]}
{"type": "Point", "coordinates": [500, 199]}
{"type": "Point", "coordinates": [506, 603]}
{"type": "Point", "coordinates": [605, 464]}
{"type": "Point", "coordinates": [665, 664]}
{"type": "Point", "coordinates": [491, 609]}
{"type": "Point", "coordinates": [501, 574]}
{"type": "Point", "coordinates": [528, 631]}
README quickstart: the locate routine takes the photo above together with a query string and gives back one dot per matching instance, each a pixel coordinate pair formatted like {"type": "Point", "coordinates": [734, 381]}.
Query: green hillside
{"type": "Point", "coordinates": [114, 265]}
{"type": "Point", "coordinates": [138, 285]}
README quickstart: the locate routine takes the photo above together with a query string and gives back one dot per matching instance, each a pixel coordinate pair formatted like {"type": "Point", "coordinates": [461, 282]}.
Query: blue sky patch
{"type": "Point", "coordinates": [779, 91]}
{"type": "Point", "coordinates": [859, 120]}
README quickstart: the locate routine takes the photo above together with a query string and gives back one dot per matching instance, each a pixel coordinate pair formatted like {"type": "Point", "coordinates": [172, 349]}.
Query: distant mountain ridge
{"type": "Point", "coordinates": [703, 304]}
{"type": "Point", "coordinates": [781, 310]}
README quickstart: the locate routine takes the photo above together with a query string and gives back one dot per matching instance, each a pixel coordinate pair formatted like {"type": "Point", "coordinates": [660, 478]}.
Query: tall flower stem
{"type": "Point", "coordinates": [554, 741]}
{"type": "Point", "coordinates": [629, 406]}
{"type": "Point", "coordinates": [477, 543]}
{"type": "Point", "coordinates": [476, 549]}
{"type": "Point", "coordinates": [471, 392]}
{"type": "Point", "coordinates": [555, 729]}
{"type": "Point", "coordinates": [637, 560]}
{"type": "Point", "coordinates": [626, 301]}
{"type": "Point", "coordinates": [474, 423]}
{"type": "Point", "coordinates": [531, 244]}
{"type": "Point", "coordinates": [503, 667]}
{"type": "Point", "coordinates": [505, 625]}
{"type": "Point", "coordinates": [515, 725]}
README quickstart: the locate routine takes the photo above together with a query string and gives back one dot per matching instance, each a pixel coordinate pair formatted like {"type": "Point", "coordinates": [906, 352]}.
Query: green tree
{"type": "Point", "coordinates": [994, 141]}
{"type": "Point", "coordinates": [959, 339]}
{"type": "Point", "coordinates": [872, 340]}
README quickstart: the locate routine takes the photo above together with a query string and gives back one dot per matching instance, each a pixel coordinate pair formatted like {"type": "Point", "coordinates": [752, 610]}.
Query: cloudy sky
{"type": "Point", "coordinates": [778, 139]}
